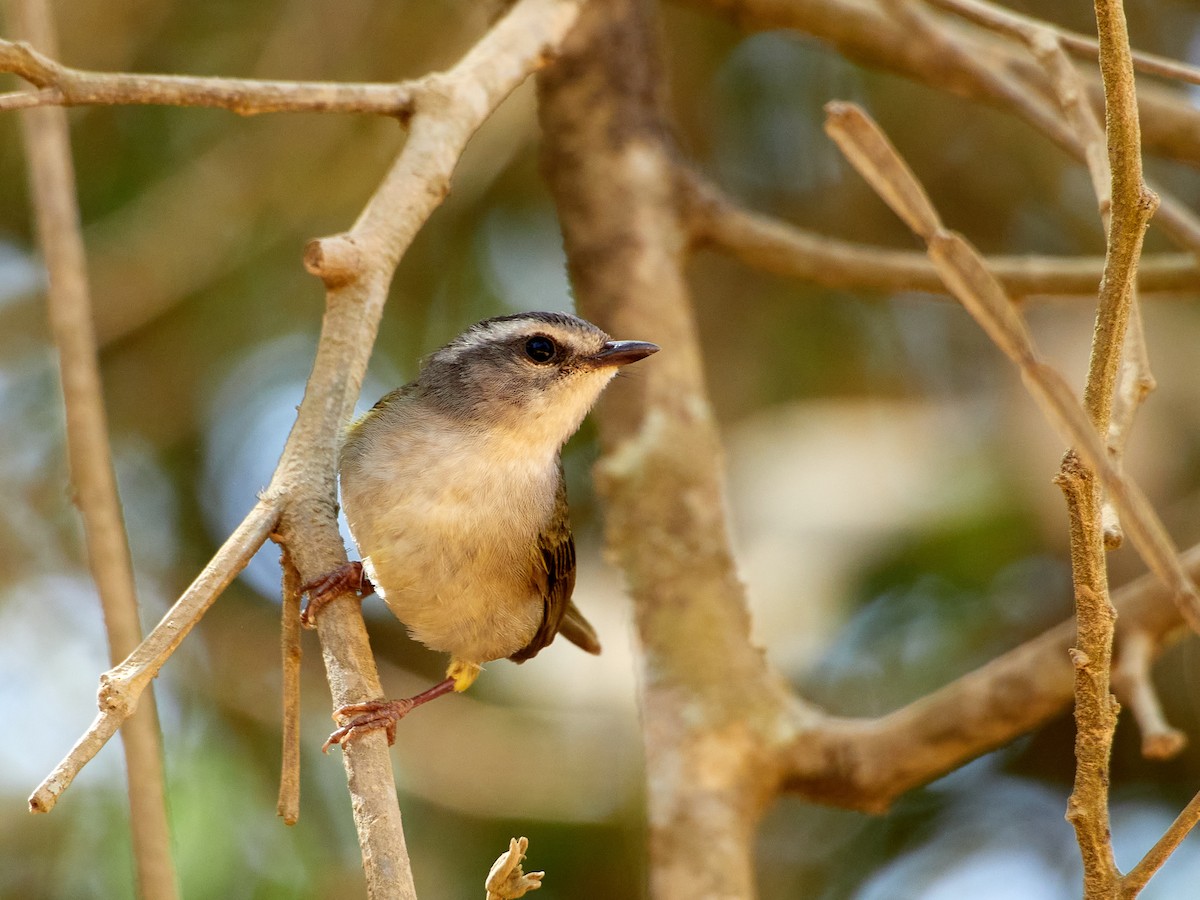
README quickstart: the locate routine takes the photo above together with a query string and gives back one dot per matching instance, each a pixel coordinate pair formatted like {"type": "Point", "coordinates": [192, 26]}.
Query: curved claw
{"type": "Point", "coordinates": [348, 577]}
{"type": "Point", "coordinates": [367, 717]}
{"type": "Point", "coordinates": [381, 714]}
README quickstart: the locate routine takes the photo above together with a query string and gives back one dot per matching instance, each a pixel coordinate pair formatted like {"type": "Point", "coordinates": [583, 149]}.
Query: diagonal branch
{"type": "Point", "coordinates": [863, 31]}
{"type": "Point", "coordinates": [1006, 21]}
{"type": "Point", "coordinates": [983, 297]}
{"type": "Point", "coordinates": [866, 764]}
{"type": "Point", "coordinates": [121, 687]}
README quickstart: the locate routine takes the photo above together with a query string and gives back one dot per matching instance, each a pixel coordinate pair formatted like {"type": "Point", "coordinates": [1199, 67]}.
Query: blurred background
{"type": "Point", "coordinates": [888, 478]}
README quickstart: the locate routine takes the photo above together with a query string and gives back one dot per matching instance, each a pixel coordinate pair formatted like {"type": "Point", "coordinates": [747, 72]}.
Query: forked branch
{"type": "Point", "coordinates": [298, 506]}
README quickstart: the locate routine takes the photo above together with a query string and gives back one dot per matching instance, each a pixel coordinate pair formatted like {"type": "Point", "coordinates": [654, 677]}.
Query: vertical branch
{"type": "Point", "coordinates": [288, 806]}
{"type": "Point", "coordinates": [47, 150]}
{"type": "Point", "coordinates": [1132, 205]}
{"type": "Point", "coordinates": [1095, 707]}
{"type": "Point", "coordinates": [713, 715]}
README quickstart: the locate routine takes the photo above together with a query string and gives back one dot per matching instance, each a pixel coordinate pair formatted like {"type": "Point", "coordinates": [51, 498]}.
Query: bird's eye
{"type": "Point", "coordinates": [540, 349]}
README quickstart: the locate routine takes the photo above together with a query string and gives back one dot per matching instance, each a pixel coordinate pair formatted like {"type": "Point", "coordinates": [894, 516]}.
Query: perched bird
{"type": "Point", "coordinates": [453, 488]}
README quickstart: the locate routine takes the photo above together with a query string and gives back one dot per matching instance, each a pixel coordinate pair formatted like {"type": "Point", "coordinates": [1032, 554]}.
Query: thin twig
{"type": "Point", "coordinates": [1006, 21]}
{"type": "Point", "coordinates": [1140, 875]}
{"type": "Point", "coordinates": [1023, 94]}
{"type": "Point", "coordinates": [868, 33]}
{"type": "Point", "coordinates": [121, 687]}
{"type": "Point", "coordinates": [1132, 206]}
{"type": "Point", "coordinates": [1137, 878]}
{"type": "Point", "coordinates": [1136, 384]}
{"type": "Point", "coordinates": [63, 86]}
{"type": "Point", "coordinates": [288, 806]}
{"type": "Point", "coordinates": [1135, 380]}
{"type": "Point", "coordinates": [48, 154]}
{"type": "Point", "coordinates": [1077, 110]}
{"type": "Point", "coordinates": [966, 275]}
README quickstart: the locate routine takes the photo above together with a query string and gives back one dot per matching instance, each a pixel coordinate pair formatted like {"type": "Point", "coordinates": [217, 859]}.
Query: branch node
{"type": "Point", "coordinates": [336, 260]}
{"type": "Point", "coordinates": [114, 696]}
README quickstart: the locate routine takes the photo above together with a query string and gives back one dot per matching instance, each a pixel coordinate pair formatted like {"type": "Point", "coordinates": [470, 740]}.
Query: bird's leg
{"type": "Point", "coordinates": [346, 577]}
{"type": "Point", "coordinates": [381, 714]}
{"type": "Point", "coordinates": [386, 713]}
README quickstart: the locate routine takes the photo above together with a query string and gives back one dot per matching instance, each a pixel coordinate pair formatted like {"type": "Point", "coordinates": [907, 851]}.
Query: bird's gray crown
{"type": "Point", "coordinates": [489, 372]}
{"type": "Point", "coordinates": [502, 330]}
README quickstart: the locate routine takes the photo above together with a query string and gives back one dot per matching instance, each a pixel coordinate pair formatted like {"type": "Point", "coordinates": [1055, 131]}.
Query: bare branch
{"type": "Point", "coordinates": [63, 86]}
{"type": "Point", "coordinates": [122, 686]}
{"type": "Point", "coordinates": [766, 243]}
{"type": "Point", "coordinates": [288, 806]}
{"type": "Point", "coordinates": [1131, 885]}
{"type": "Point", "coordinates": [1133, 684]}
{"type": "Point", "coordinates": [863, 31]}
{"type": "Point", "coordinates": [48, 156]}
{"type": "Point", "coordinates": [1005, 21]}
{"type": "Point", "coordinates": [1022, 92]}
{"type": "Point", "coordinates": [867, 763]}
{"type": "Point", "coordinates": [964, 272]}
{"type": "Point", "coordinates": [1132, 206]}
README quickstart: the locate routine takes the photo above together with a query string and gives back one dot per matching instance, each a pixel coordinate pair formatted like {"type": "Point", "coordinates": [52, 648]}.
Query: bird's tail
{"type": "Point", "coordinates": [578, 630]}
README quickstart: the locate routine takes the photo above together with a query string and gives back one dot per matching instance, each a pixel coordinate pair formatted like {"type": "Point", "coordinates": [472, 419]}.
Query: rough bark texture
{"type": "Point", "coordinates": [707, 697]}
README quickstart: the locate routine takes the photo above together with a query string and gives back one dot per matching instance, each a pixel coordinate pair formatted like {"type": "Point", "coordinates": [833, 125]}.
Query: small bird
{"type": "Point", "coordinates": [453, 488]}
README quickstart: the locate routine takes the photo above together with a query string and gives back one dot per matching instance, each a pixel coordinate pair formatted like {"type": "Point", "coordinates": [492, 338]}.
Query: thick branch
{"type": "Point", "coordinates": [357, 268]}
{"type": "Point", "coordinates": [710, 707]}
{"type": "Point", "coordinates": [868, 763]}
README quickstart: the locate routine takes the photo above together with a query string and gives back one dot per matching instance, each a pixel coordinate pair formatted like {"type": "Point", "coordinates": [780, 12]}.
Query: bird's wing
{"type": "Point", "coordinates": [553, 574]}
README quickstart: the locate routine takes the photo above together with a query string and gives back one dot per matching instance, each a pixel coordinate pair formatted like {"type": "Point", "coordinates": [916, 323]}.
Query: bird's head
{"type": "Point", "coordinates": [536, 374]}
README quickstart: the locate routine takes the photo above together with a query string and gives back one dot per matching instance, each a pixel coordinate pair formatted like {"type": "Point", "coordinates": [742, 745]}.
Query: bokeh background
{"type": "Point", "coordinates": [888, 479]}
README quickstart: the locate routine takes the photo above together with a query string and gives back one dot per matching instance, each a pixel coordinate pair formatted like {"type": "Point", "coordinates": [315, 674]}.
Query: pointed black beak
{"type": "Point", "coordinates": [622, 353]}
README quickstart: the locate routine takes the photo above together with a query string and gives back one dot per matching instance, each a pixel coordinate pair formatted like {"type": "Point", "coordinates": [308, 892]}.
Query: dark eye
{"type": "Point", "coordinates": [540, 349]}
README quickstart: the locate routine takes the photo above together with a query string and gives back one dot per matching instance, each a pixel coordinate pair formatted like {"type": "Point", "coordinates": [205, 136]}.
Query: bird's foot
{"type": "Point", "coordinates": [348, 577]}
{"type": "Point", "coordinates": [380, 714]}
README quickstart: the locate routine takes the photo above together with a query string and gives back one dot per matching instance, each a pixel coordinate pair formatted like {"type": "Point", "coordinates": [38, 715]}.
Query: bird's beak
{"type": "Point", "coordinates": [621, 353]}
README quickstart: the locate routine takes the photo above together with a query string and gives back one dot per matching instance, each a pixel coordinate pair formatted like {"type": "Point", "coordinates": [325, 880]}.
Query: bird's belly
{"type": "Point", "coordinates": [452, 558]}
{"type": "Point", "coordinates": [456, 600]}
